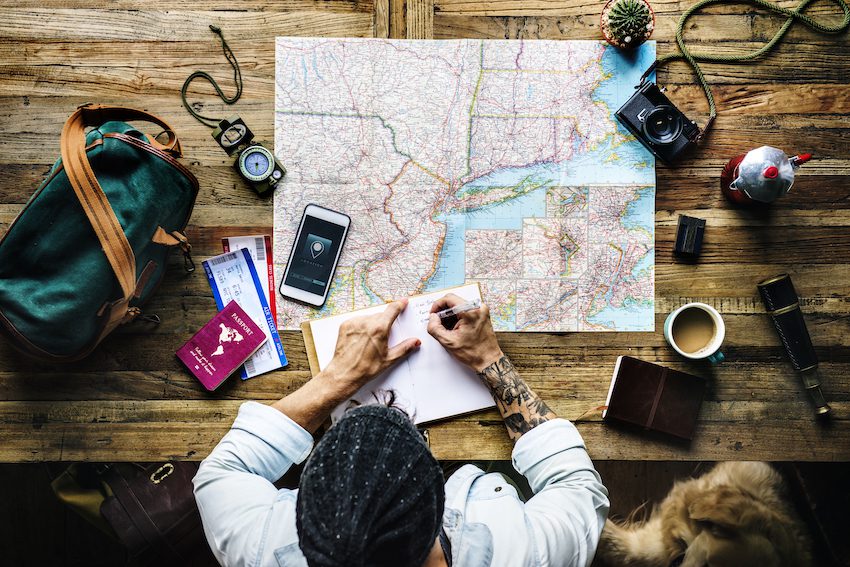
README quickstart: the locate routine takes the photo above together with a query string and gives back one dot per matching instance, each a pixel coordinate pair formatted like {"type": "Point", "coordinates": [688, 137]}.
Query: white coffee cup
{"type": "Point", "coordinates": [711, 349]}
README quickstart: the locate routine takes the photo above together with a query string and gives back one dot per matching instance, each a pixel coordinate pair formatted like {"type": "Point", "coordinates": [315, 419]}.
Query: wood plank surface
{"type": "Point", "coordinates": [420, 19]}
{"type": "Point", "coordinates": [131, 400]}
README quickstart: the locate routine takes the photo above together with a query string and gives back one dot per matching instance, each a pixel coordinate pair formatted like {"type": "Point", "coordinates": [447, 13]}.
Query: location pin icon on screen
{"type": "Point", "coordinates": [316, 249]}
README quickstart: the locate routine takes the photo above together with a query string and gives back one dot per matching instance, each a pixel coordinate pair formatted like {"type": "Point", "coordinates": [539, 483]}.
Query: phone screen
{"type": "Point", "coordinates": [314, 254]}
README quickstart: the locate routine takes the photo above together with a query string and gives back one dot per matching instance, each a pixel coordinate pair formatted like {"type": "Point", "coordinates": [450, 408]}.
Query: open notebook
{"type": "Point", "coordinates": [429, 384]}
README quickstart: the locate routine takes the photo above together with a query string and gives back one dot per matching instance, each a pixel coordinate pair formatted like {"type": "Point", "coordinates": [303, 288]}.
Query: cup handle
{"type": "Point", "coordinates": [716, 358]}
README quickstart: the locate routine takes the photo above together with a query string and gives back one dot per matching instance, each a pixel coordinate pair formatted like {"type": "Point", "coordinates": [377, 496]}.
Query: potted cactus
{"type": "Point", "coordinates": [627, 23]}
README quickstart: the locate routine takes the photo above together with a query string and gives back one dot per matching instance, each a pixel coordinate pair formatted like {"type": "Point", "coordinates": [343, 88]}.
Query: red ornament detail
{"type": "Point", "coordinates": [771, 172]}
{"type": "Point", "coordinates": [729, 174]}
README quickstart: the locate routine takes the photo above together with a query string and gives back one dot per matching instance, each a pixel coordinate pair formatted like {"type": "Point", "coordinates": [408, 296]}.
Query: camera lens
{"type": "Point", "coordinates": [663, 124]}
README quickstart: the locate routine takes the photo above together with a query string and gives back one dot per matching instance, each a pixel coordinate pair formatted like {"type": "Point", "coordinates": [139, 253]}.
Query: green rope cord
{"type": "Point", "coordinates": [237, 77]}
{"type": "Point", "coordinates": [693, 58]}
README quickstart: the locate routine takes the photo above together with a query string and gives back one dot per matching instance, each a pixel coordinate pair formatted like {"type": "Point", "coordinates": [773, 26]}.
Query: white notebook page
{"type": "Point", "coordinates": [430, 384]}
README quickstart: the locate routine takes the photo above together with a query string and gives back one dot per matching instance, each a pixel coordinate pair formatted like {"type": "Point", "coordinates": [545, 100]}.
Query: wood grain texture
{"type": "Point", "coordinates": [420, 19]}
{"type": "Point", "coordinates": [525, 8]}
{"type": "Point", "coordinates": [131, 400]}
{"type": "Point", "coordinates": [398, 18]}
{"type": "Point", "coordinates": [249, 6]}
{"type": "Point", "coordinates": [100, 25]}
{"type": "Point", "coordinates": [142, 431]}
{"type": "Point", "coordinates": [382, 18]}
{"type": "Point", "coordinates": [708, 31]}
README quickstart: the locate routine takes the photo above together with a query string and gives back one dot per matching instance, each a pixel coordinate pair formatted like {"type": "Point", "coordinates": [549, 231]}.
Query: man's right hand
{"type": "Point", "coordinates": [472, 340]}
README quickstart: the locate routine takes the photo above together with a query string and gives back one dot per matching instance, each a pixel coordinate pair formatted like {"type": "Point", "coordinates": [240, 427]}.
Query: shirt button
{"type": "Point", "coordinates": [498, 489]}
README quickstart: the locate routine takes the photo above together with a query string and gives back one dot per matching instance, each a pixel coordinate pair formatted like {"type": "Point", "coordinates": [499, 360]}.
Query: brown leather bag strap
{"type": "Point", "coordinates": [102, 218]}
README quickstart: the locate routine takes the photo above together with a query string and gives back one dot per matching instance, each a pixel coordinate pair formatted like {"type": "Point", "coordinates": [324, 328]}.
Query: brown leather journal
{"type": "Point", "coordinates": [654, 397]}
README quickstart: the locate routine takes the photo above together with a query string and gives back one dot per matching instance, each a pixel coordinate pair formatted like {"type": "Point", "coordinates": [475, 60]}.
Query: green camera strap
{"type": "Point", "coordinates": [237, 77]}
{"type": "Point", "coordinates": [693, 59]}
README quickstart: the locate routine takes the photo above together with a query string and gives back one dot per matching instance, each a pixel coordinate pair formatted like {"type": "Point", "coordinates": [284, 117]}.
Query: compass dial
{"type": "Point", "coordinates": [256, 163]}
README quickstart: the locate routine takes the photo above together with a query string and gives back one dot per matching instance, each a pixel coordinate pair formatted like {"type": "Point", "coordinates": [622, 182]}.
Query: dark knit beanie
{"type": "Point", "coordinates": [371, 494]}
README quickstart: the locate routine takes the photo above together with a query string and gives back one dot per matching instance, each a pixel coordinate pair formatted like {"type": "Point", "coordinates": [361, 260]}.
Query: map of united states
{"type": "Point", "coordinates": [491, 161]}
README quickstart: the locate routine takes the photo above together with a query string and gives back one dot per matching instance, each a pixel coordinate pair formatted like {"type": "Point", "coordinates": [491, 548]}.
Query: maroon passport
{"type": "Point", "coordinates": [654, 397]}
{"type": "Point", "coordinates": [221, 346]}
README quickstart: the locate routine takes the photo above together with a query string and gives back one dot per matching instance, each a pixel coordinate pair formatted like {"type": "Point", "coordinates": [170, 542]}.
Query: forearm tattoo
{"type": "Point", "coordinates": [521, 409]}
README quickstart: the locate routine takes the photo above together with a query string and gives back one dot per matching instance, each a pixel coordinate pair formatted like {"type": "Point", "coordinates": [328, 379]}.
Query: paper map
{"type": "Point", "coordinates": [499, 162]}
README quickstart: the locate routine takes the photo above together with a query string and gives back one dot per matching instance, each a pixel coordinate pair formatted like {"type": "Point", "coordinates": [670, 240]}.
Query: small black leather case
{"type": "Point", "coordinates": [783, 306]}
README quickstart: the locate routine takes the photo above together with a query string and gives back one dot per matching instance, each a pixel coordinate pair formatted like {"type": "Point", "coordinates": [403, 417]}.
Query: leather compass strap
{"type": "Point", "coordinates": [237, 78]}
{"type": "Point", "coordinates": [102, 218]}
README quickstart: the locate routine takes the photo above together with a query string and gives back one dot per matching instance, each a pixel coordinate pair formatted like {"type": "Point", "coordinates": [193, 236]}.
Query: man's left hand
{"type": "Point", "coordinates": [362, 349]}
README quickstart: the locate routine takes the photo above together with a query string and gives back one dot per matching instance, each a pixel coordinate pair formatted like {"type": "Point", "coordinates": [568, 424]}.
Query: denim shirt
{"type": "Point", "coordinates": [247, 521]}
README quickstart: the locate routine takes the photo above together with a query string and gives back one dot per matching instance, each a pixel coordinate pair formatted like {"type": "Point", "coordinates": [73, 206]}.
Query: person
{"type": "Point", "coordinates": [371, 493]}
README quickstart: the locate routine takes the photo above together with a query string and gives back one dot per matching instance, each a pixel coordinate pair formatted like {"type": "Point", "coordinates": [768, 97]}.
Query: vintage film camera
{"type": "Point", "coordinates": [658, 124]}
{"type": "Point", "coordinates": [254, 162]}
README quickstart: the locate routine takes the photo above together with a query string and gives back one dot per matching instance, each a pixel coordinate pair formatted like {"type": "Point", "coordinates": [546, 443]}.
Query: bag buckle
{"type": "Point", "coordinates": [161, 473]}
{"type": "Point", "coordinates": [188, 262]}
{"type": "Point", "coordinates": [135, 314]}
{"type": "Point", "coordinates": [131, 315]}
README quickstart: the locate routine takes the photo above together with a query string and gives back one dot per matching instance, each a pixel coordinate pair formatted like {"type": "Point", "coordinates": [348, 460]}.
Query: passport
{"type": "Point", "coordinates": [654, 397]}
{"type": "Point", "coordinates": [234, 277]}
{"type": "Point", "coordinates": [221, 346]}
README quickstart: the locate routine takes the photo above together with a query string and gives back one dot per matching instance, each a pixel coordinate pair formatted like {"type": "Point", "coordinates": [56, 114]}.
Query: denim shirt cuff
{"type": "Point", "coordinates": [545, 440]}
{"type": "Point", "coordinates": [275, 429]}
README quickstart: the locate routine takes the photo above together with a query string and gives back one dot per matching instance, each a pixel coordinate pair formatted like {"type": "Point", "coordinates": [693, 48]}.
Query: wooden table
{"type": "Point", "coordinates": [131, 400]}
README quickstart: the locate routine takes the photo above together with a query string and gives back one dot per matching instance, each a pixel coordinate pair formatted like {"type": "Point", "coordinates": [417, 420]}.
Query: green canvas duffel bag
{"type": "Point", "coordinates": [90, 246]}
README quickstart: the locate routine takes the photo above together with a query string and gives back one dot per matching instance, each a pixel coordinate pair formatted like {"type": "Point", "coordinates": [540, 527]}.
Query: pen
{"type": "Point", "coordinates": [449, 317]}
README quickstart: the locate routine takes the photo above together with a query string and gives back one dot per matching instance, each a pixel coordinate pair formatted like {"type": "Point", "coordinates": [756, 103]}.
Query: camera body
{"type": "Point", "coordinates": [657, 123]}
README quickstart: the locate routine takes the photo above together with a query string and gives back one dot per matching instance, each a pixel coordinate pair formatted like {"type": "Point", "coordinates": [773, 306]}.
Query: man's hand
{"type": "Point", "coordinates": [362, 352]}
{"type": "Point", "coordinates": [362, 348]}
{"type": "Point", "coordinates": [472, 340]}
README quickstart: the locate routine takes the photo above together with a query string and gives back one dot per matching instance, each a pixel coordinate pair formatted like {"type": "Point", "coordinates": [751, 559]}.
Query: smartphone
{"type": "Point", "coordinates": [314, 255]}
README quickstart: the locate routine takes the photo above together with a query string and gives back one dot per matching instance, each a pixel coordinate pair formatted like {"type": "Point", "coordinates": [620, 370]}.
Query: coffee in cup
{"type": "Point", "coordinates": [696, 331]}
